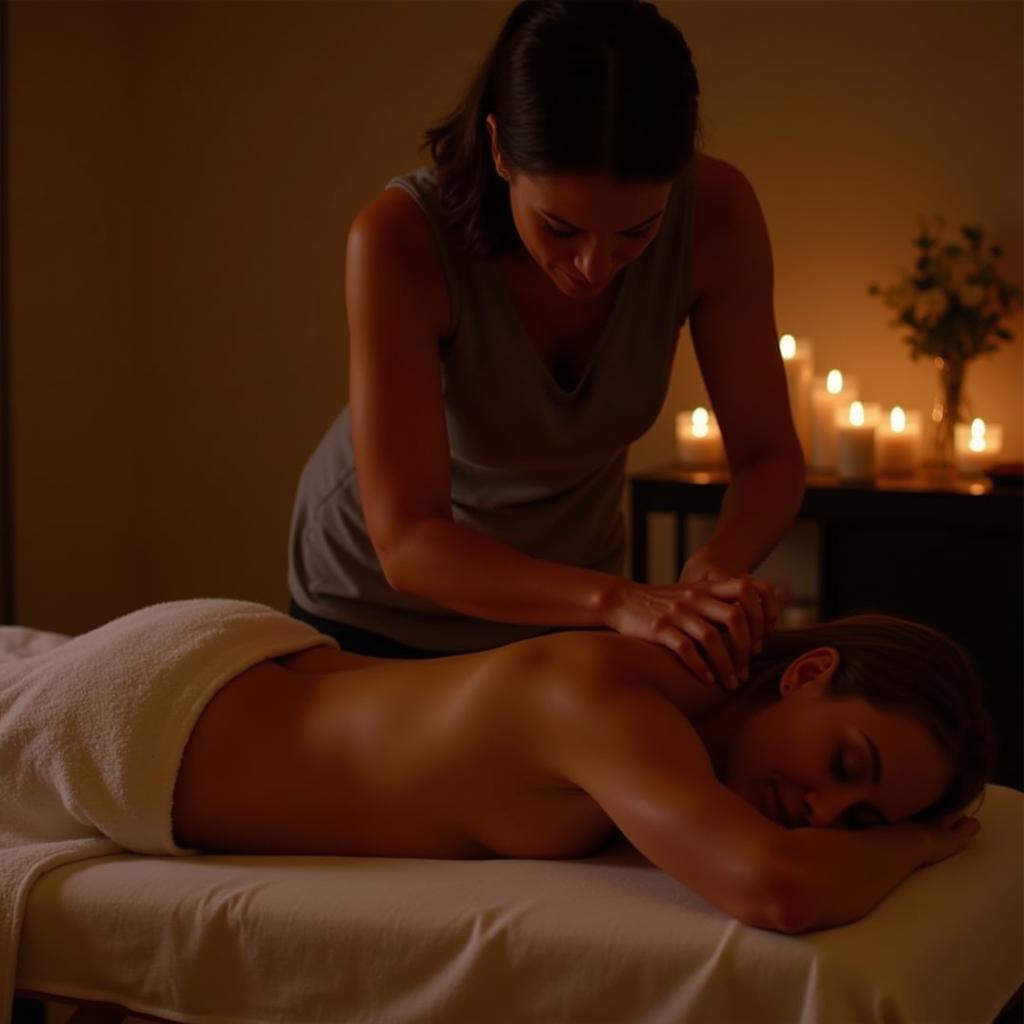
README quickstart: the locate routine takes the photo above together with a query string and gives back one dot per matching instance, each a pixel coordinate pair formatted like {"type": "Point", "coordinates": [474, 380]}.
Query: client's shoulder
{"type": "Point", "coordinates": [582, 667]}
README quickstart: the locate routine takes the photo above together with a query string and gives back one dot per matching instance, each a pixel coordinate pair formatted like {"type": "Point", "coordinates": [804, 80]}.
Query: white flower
{"type": "Point", "coordinates": [931, 305]}
{"type": "Point", "coordinates": [972, 295]}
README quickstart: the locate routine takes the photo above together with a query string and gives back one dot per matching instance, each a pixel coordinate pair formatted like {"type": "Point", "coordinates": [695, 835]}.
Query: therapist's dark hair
{"type": "Point", "coordinates": [898, 665]}
{"type": "Point", "coordinates": [575, 86]}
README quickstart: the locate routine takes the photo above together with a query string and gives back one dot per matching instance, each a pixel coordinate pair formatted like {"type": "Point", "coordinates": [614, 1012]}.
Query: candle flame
{"type": "Point", "coordinates": [834, 382]}
{"type": "Point", "coordinates": [787, 346]}
{"type": "Point", "coordinates": [856, 414]}
{"type": "Point", "coordinates": [699, 421]}
{"type": "Point", "coordinates": [897, 420]}
{"type": "Point", "coordinates": [977, 441]}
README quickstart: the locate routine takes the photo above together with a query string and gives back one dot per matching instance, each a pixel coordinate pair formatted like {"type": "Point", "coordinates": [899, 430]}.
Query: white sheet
{"type": "Point", "coordinates": [605, 939]}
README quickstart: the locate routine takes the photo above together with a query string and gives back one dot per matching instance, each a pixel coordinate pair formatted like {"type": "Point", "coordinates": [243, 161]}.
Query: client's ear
{"type": "Point", "coordinates": [813, 671]}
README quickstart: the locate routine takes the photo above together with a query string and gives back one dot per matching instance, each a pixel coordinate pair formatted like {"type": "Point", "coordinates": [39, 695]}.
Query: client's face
{"type": "Point", "coordinates": [807, 760]}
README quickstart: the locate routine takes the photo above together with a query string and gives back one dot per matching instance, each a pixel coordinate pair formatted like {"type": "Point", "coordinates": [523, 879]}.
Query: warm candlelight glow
{"type": "Point", "coordinates": [977, 441]}
{"type": "Point", "coordinates": [787, 346]}
{"type": "Point", "coordinates": [834, 382]}
{"type": "Point", "coordinates": [698, 439]}
{"type": "Point", "coordinates": [898, 442]}
{"type": "Point", "coordinates": [855, 441]}
{"type": "Point", "coordinates": [978, 446]}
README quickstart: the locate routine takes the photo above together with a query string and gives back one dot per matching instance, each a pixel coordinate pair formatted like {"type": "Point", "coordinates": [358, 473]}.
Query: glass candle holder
{"type": "Point", "coordinates": [978, 446]}
{"type": "Point", "coordinates": [831, 392]}
{"type": "Point", "coordinates": [856, 424]}
{"type": "Point", "coordinates": [698, 439]}
{"type": "Point", "coordinates": [898, 443]}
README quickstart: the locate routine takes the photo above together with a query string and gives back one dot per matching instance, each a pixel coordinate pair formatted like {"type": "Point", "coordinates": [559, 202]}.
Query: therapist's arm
{"type": "Point", "coordinates": [732, 322]}
{"type": "Point", "coordinates": [403, 462]}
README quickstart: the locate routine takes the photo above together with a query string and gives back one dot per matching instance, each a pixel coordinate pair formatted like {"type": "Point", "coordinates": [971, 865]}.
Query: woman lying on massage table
{"type": "Point", "coordinates": [798, 802]}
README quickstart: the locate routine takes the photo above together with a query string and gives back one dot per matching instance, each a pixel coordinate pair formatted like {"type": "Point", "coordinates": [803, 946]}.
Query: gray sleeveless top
{"type": "Point", "coordinates": [535, 466]}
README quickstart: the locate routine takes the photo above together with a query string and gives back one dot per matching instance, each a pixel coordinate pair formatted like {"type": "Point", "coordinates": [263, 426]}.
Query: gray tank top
{"type": "Point", "coordinates": [535, 466]}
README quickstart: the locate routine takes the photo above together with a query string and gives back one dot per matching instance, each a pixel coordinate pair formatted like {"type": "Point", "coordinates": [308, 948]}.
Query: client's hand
{"type": "Point", "coordinates": [693, 622]}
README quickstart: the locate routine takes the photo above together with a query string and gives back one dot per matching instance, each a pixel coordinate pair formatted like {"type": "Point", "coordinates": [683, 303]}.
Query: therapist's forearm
{"type": "Point", "coordinates": [759, 506]}
{"type": "Point", "coordinates": [459, 568]}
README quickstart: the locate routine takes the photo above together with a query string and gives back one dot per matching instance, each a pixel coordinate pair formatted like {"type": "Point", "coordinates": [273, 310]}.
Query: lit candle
{"type": "Point", "coordinates": [799, 364]}
{"type": "Point", "coordinates": [698, 439]}
{"type": "Point", "coordinates": [978, 446]}
{"type": "Point", "coordinates": [855, 441]}
{"type": "Point", "coordinates": [829, 394]}
{"type": "Point", "coordinates": [899, 443]}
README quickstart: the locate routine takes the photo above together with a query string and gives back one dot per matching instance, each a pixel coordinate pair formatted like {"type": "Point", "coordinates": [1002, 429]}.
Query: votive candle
{"type": "Point", "coordinates": [798, 360]}
{"type": "Point", "coordinates": [978, 446]}
{"type": "Point", "coordinates": [698, 439]}
{"type": "Point", "coordinates": [898, 443]}
{"type": "Point", "coordinates": [855, 441]}
{"type": "Point", "coordinates": [829, 394]}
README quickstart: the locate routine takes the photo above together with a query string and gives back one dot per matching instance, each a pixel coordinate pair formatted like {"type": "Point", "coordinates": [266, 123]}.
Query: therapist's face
{"type": "Point", "coordinates": [809, 760]}
{"type": "Point", "coordinates": [582, 229]}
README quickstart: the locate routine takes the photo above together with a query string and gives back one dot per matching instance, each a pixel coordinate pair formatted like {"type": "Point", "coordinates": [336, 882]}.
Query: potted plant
{"type": "Point", "coordinates": [953, 305]}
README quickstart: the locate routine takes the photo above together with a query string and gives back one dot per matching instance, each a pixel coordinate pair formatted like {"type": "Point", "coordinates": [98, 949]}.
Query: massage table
{"type": "Point", "coordinates": [606, 938]}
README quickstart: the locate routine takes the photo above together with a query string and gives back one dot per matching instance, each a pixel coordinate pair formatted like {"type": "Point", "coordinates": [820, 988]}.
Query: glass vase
{"type": "Point", "coordinates": [951, 406]}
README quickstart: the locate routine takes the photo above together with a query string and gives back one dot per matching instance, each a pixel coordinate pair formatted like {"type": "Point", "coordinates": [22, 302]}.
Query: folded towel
{"type": "Point", "coordinates": [92, 732]}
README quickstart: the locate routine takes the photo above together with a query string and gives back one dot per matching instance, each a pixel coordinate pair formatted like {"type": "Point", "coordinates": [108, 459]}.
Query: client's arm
{"type": "Point", "coordinates": [644, 763]}
{"type": "Point", "coordinates": [834, 876]}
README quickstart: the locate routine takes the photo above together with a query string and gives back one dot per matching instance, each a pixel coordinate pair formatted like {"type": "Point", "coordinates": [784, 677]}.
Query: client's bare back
{"type": "Point", "coordinates": [333, 753]}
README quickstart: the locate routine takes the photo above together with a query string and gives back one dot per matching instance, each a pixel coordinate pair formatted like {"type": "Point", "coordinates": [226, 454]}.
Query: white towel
{"type": "Point", "coordinates": [92, 732]}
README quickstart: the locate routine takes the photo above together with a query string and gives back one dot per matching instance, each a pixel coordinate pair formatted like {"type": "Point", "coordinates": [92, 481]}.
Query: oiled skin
{"type": "Point", "coordinates": [467, 756]}
{"type": "Point", "coordinates": [540, 750]}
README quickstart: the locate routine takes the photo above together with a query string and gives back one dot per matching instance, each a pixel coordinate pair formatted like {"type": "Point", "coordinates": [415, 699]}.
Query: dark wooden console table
{"type": "Point", "coordinates": [936, 548]}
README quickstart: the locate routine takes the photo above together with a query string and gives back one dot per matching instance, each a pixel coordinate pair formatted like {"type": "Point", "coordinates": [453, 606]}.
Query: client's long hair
{"type": "Point", "coordinates": [904, 666]}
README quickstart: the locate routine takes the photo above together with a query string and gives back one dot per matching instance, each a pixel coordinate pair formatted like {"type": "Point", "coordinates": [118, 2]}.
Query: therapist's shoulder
{"type": "Point", "coordinates": [391, 248]}
{"type": "Point", "coordinates": [728, 222]}
{"type": "Point", "coordinates": [722, 188]}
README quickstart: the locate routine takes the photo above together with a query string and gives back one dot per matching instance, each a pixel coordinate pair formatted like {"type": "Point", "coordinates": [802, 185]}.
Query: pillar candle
{"type": "Point", "coordinates": [797, 358]}
{"type": "Point", "coordinates": [855, 441]}
{"type": "Point", "coordinates": [698, 439]}
{"type": "Point", "coordinates": [898, 443]}
{"type": "Point", "coordinates": [978, 446]}
{"type": "Point", "coordinates": [829, 394]}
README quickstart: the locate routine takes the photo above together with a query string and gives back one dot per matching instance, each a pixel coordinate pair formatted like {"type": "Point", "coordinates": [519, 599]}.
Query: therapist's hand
{"type": "Point", "coordinates": [757, 597]}
{"type": "Point", "coordinates": [706, 624]}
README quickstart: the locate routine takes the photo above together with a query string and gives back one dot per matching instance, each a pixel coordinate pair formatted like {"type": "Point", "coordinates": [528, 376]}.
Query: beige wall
{"type": "Point", "coordinates": [182, 177]}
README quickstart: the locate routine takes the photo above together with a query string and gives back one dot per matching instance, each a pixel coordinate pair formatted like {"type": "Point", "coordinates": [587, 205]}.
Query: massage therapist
{"type": "Point", "coordinates": [513, 313]}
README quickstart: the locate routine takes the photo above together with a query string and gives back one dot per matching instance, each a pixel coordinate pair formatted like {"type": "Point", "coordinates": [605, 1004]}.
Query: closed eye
{"type": "Point", "coordinates": [641, 233]}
